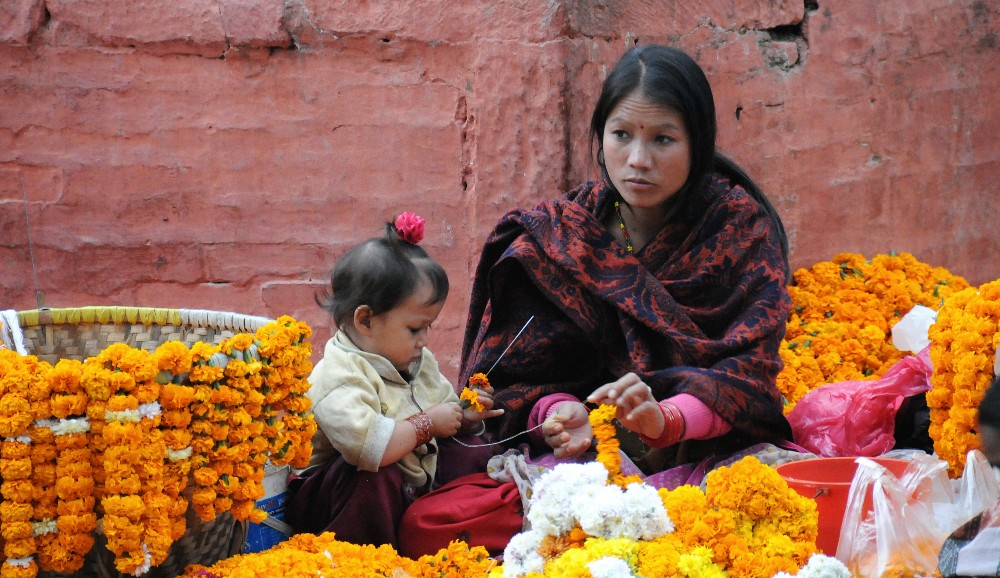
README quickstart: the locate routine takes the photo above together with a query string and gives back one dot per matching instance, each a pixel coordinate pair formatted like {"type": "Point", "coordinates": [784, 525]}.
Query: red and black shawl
{"type": "Point", "coordinates": [700, 310]}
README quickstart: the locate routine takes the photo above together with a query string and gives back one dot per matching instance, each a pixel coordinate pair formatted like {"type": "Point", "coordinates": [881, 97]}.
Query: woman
{"type": "Point", "coordinates": [660, 288]}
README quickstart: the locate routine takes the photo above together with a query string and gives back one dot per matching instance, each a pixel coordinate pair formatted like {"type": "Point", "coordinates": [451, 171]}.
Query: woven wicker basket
{"type": "Point", "coordinates": [79, 333]}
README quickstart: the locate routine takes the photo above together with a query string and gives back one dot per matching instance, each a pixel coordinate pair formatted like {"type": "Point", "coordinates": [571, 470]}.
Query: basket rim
{"type": "Point", "coordinates": [145, 315]}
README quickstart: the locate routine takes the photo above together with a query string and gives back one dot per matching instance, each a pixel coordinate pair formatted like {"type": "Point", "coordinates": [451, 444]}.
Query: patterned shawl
{"type": "Point", "coordinates": [700, 310]}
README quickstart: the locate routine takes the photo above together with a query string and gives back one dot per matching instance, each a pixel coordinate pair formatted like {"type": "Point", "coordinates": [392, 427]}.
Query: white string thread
{"type": "Point", "coordinates": [509, 344]}
{"type": "Point", "coordinates": [499, 442]}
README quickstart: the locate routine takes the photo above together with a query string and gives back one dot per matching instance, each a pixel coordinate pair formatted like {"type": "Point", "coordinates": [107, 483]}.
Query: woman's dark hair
{"type": "Point", "coordinates": [380, 273]}
{"type": "Point", "coordinates": [989, 406]}
{"type": "Point", "coordinates": [673, 79]}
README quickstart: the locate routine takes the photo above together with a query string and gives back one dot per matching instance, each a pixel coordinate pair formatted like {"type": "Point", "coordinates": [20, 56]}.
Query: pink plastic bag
{"type": "Point", "coordinates": [857, 418]}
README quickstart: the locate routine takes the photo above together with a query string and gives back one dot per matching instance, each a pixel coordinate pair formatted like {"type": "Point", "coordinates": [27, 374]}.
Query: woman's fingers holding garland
{"type": "Point", "coordinates": [628, 393]}
{"type": "Point", "coordinates": [638, 410]}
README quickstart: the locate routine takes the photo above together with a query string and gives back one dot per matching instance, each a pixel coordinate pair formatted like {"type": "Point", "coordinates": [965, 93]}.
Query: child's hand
{"type": "Point", "coordinates": [484, 395]}
{"type": "Point", "coordinates": [446, 418]}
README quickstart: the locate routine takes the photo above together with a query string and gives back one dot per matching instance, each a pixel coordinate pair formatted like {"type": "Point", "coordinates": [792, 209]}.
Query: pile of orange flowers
{"type": "Point", "coordinates": [114, 442]}
{"type": "Point", "coordinates": [842, 314]}
{"type": "Point", "coordinates": [747, 522]}
{"type": "Point", "coordinates": [748, 519]}
{"type": "Point", "coordinates": [308, 556]}
{"type": "Point", "coordinates": [964, 343]}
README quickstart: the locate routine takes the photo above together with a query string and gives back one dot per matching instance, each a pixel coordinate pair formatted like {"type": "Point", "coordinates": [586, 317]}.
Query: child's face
{"type": "Point", "coordinates": [400, 334]}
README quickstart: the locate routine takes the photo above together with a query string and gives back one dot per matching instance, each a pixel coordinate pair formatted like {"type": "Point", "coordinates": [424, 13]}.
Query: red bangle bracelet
{"type": "Point", "coordinates": [675, 423]}
{"type": "Point", "coordinates": [421, 423]}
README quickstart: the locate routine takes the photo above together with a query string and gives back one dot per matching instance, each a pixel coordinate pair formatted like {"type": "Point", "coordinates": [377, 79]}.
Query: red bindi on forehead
{"type": "Point", "coordinates": [642, 126]}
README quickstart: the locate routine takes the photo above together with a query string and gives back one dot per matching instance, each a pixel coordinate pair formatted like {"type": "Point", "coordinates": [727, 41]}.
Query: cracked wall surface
{"type": "Point", "coordinates": [220, 154]}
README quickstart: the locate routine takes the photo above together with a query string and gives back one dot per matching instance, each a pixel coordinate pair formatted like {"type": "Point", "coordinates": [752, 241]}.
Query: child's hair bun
{"type": "Point", "coordinates": [409, 227]}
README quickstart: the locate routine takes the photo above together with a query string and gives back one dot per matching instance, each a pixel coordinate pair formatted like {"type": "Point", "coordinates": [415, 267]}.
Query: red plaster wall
{"type": "Point", "coordinates": [220, 154]}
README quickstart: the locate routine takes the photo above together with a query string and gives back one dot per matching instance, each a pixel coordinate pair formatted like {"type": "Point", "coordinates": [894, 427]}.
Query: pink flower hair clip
{"type": "Point", "coordinates": [410, 227]}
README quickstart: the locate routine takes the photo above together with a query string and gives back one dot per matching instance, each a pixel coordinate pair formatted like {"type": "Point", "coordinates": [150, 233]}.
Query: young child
{"type": "Point", "coordinates": [379, 399]}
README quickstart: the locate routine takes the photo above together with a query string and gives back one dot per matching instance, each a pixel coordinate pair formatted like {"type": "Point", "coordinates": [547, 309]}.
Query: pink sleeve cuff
{"type": "Point", "coordinates": [701, 422]}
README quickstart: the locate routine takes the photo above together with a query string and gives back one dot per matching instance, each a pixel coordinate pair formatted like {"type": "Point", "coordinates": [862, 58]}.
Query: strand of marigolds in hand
{"type": "Point", "coordinates": [602, 423]}
{"type": "Point", "coordinates": [469, 399]}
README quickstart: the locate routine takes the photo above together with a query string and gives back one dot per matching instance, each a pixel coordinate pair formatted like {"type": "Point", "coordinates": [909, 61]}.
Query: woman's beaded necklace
{"type": "Point", "coordinates": [621, 222]}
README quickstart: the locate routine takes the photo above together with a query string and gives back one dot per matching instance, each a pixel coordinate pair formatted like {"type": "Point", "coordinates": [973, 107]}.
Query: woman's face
{"type": "Point", "coordinates": [647, 151]}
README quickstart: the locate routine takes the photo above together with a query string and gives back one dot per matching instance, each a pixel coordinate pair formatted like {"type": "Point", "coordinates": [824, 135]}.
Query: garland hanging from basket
{"type": "Point", "coordinates": [115, 440]}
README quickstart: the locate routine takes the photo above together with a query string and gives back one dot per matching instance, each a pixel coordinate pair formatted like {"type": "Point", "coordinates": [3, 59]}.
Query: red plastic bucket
{"type": "Point", "coordinates": [828, 481]}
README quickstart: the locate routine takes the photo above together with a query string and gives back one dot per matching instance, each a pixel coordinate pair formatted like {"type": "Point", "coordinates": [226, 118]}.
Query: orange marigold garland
{"type": "Point", "coordinates": [602, 423]}
{"type": "Point", "coordinates": [95, 379]}
{"type": "Point", "coordinates": [173, 362]}
{"type": "Point", "coordinates": [842, 315]}
{"type": "Point", "coordinates": [43, 474]}
{"type": "Point", "coordinates": [286, 353]}
{"type": "Point", "coordinates": [115, 438]}
{"type": "Point", "coordinates": [245, 484]}
{"type": "Point", "coordinates": [18, 375]}
{"type": "Point", "coordinates": [75, 481]}
{"type": "Point", "coordinates": [134, 521]}
{"type": "Point", "coordinates": [964, 342]}
{"type": "Point", "coordinates": [203, 378]}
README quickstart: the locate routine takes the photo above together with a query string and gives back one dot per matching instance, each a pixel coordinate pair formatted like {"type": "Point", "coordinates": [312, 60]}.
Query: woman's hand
{"type": "Point", "coordinates": [486, 398]}
{"type": "Point", "coordinates": [446, 418]}
{"type": "Point", "coordinates": [567, 430]}
{"type": "Point", "coordinates": [638, 410]}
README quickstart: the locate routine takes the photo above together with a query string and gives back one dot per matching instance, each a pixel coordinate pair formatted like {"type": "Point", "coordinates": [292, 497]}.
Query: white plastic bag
{"type": "Point", "coordinates": [912, 515]}
{"type": "Point", "coordinates": [910, 332]}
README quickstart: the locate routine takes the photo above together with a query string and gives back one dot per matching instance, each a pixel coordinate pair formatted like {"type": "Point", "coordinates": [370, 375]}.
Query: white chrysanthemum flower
{"type": "Point", "coordinates": [521, 555]}
{"type": "Point", "coordinates": [609, 567]}
{"type": "Point", "coordinates": [147, 560]}
{"type": "Point", "coordinates": [43, 527]}
{"type": "Point", "coordinates": [820, 566]}
{"type": "Point", "coordinates": [123, 416]}
{"type": "Point", "coordinates": [551, 507]}
{"type": "Point", "coordinates": [178, 455]}
{"type": "Point", "coordinates": [600, 510]}
{"type": "Point", "coordinates": [637, 513]}
{"type": "Point", "coordinates": [645, 513]}
{"type": "Point", "coordinates": [74, 425]}
{"type": "Point", "coordinates": [149, 410]}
